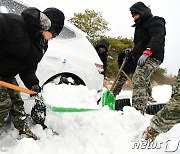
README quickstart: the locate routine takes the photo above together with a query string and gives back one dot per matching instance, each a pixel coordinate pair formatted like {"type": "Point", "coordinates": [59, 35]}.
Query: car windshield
{"type": "Point", "coordinates": [12, 6]}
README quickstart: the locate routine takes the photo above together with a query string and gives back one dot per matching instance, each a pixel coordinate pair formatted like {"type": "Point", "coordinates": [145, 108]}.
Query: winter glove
{"type": "Point", "coordinates": [36, 88]}
{"type": "Point", "coordinates": [142, 60]}
{"type": "Point", "coordinates": [144, 57]}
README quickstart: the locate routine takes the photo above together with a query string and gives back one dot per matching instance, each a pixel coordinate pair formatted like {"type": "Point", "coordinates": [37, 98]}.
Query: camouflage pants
{"type": "Point", "coordinates": [121, 81]}
{"type": "Point", "coordinates": [141, 83]}
{"type": "Point", "coordinates": [167, 117]}
{"type": "Point", "coordinates": [11, 105]}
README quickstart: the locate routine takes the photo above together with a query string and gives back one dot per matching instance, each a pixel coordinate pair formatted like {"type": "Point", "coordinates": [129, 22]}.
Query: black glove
{"type": "Point", "coordinates": [142, 59]}
{"type": "Point", "coordinates": [36, 88]}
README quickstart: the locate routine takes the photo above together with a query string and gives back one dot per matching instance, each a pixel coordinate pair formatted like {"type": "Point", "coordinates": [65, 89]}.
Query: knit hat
{"type": "Point", "coordinates": [57, 20]}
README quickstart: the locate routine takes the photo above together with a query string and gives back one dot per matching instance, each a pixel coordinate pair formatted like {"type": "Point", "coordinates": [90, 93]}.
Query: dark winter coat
{"type": "Point", "coordinates": [130, 64]}
{"type": "Point", "coordinates": [21, 46]}
{"type": "Point", "coordinates": [149, 32]}
{"type": "Point", "coordinates": [103, 56]}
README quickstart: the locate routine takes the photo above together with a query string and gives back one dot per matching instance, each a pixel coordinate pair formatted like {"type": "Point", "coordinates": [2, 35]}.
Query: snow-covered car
{"type": "Point", "coordinates": [70, 57]}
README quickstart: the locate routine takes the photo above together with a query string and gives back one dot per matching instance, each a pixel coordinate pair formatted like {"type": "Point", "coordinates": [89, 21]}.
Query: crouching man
{"type": "Point", "coordinates": [23, 42]}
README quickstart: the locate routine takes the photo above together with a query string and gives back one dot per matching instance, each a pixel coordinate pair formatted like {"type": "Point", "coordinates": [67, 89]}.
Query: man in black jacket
{"type": "Point", "coordinates": [129, 69]}
{"type": "Point", "coordinates": [148, 52]}
{"type": "Point", "coordinates": [23, 42]}
{"type": "Point", "coordinates": [102, 48]}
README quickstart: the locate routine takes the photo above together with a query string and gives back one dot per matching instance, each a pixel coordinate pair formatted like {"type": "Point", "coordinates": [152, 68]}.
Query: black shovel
{"type": "Point", "coordinates": [38, 112]}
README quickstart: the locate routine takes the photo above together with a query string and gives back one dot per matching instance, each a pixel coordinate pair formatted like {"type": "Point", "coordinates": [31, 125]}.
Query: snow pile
{"type": "Point", "coordinates": [162, 93]}
{"type": "Point", "coordinates": [70, 96]}
{"type": "Point", "coordinates": [94, 132]}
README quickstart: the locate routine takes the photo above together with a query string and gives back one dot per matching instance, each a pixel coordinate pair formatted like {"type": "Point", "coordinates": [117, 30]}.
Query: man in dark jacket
{"type": "Point", "coordinates": [129, 69]}
{"type": "Point", "coordinates": [102, 48]}
{"type": "Point", "coordinates": [148, 52]}
{"type": "Point", "coordinates": [23, 42]}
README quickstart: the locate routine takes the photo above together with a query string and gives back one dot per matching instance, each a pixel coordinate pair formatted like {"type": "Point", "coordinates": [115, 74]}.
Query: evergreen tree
{"type": "Point", "coordinates": [90, 22]}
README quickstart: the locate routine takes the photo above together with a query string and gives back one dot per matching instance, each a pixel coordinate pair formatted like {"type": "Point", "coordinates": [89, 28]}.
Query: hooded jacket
{"type": "Point", "coordinates": [103, 56]}
{"type": "Point", "coordinates": [149, 32]}
{"type": "Point", "coordinates": [21, 45]}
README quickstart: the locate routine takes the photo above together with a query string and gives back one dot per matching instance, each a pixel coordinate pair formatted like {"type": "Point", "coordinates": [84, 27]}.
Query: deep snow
{"type": "Point", "coordinates": [103, 131]}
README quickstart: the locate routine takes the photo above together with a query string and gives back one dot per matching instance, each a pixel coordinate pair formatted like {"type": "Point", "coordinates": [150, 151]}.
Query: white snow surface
{"type": "Point", "coordinates": [81, 97]}
{"type": "Point", "coordinates": [94, 132]}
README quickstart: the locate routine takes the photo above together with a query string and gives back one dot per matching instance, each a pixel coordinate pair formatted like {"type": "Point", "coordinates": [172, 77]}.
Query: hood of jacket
{"type": "Point", "coordinates": [143, 10]}
{"type": "Point", "coordinates": [31, 16]}
{"type": "Point", "coordinates": [102, 43]}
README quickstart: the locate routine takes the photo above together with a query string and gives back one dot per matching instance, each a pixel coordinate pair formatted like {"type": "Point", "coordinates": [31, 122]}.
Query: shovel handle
{"type": "Point", "coordinates": [127, 76]}
{"type": "Point", "coordinates": [119, 72]}
{"type": "Point", "coordinates": [14, 87]}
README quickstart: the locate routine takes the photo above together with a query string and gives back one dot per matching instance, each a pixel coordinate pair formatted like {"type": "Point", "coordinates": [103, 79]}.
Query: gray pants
{"type": "Point", "coordinates": [167, 117]}
{"type": "Point", "coordinates": [141, 82]}
{"type": "Point", "coordinates": [11, 105]}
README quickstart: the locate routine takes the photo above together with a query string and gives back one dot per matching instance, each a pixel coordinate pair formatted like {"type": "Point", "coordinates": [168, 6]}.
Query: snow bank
{"type": "Point", "coordinates": [70, 96]}
{"type": "Point", "coordinates": [94, 132]}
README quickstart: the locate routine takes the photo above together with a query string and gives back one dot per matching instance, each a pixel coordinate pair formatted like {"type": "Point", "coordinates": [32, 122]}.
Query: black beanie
{"type": "Point", "coordinates": [57, 20]}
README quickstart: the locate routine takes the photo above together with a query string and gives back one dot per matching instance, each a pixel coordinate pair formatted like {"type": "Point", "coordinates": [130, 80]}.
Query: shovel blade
{"type": "Point", "coordinates": [108, 99]}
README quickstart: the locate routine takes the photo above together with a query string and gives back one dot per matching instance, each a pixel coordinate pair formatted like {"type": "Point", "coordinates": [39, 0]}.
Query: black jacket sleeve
{"type": "Point", "coordinates": [29, 77]}
{"type": "Point", "coordinates": [157, 33]}
{"type": "Point", "coordinates": [130, 64]}
{"type": "Point", "coordinates": [120, 58]}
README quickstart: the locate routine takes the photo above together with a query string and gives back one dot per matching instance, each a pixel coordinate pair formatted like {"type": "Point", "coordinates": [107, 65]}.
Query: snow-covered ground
{"type": "Point", "coordinates": [96, 132]}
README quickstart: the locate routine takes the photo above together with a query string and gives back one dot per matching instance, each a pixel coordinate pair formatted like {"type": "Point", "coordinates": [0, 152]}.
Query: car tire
{"type": "Point", "coordinates": [69, 79]}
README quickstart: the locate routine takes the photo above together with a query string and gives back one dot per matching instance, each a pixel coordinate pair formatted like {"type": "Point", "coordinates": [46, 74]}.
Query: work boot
{"type": "Point", "coordinates": [26, 131]}
{"type": "Point", "coordinates": [150, 134]}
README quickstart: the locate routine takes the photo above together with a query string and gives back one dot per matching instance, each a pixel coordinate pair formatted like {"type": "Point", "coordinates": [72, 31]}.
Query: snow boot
{"type": "Point", "coordinates": [150, 134]}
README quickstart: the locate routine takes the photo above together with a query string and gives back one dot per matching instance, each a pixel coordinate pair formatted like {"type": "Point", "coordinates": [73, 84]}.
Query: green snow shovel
{"type": "Point", "coordinates": [64, 109]}
{"type": "Point", "coordinates": [108, 97]}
